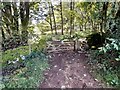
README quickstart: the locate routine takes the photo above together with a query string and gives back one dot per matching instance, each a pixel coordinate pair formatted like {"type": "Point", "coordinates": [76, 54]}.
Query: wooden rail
{"type": "Point", "coordinates": [56, 46]}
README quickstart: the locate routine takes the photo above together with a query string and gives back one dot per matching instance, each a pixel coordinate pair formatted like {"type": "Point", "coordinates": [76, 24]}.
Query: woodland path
{"type": "Point", "coordinates": [68, 69]}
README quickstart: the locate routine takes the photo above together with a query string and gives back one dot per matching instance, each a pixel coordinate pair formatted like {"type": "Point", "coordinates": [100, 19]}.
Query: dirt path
{"type": "Point", "coordinates": [68, 69]}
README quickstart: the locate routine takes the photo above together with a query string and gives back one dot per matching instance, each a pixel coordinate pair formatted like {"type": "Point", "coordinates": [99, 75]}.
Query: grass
{"type": "Point", "coordinates": [31, 75]}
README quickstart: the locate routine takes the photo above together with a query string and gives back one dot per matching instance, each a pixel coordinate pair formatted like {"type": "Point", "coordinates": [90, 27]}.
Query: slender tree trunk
{"type": "Point", "coordinates": [61, 17]}
{"type": "Point", "coordinates": [50, 19]}
{"type": "Point", "coordinates": [80, 27]}
{"type": "Point", "coordinates": [3, 34]}
{"type": "Point", "coordinates": [8, 30]}
{"type": "Point", "coordinates": [71, 18]}
{"type": "Point", "coordinates": [92, 25]}
{"type": "Point", "coordinates": [117, 19]}
{"type": "Point", "coordinates": [54, 18]}
{"type": "Point", "coordinates": [85, 25]}
{"type": "Point", "coordinates": [118, 12]}
{"type": "Point", "coordinates": [1, 37]}
{"type": "Point", "coordinates": [104, 16]}
{"type": "Point", "coordinates": [16, 23]}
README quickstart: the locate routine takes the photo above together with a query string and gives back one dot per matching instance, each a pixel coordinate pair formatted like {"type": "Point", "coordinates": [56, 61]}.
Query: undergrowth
{"type": "Point", "coordinates": [107, 62]}
{"type": "Point", "coordinates": [22, 69]}
{"type": "Point", "coordinates": [31, 75]}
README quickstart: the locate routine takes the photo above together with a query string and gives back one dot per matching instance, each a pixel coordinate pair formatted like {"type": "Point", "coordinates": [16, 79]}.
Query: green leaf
{"type": "Point", "coordinates": [117, 59]}
{"type": "Point", "coordinates": [116, 46]}
{"type": "Point", "coordinates": [104, 49]}
{"type": "Point", "coordinates": [111, 39]}
{"type": "Point", "coordinates": [108, 46]}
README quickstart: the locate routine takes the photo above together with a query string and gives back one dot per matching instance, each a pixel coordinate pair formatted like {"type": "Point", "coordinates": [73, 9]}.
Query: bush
{"type": "Point", "coordinates": [107, 61]}
{"type": "Point", "coordinates": [15, 53]}
{"type": "Point", "coordinates": [95, 40]}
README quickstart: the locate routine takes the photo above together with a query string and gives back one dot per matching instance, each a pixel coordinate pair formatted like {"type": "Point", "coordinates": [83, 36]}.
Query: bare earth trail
{"type": "Point", "coordinates": [68, 69]}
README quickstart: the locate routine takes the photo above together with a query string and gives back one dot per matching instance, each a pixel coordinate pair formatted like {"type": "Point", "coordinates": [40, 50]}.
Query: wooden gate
{"type": "Point", "coordinates": [56, 46]}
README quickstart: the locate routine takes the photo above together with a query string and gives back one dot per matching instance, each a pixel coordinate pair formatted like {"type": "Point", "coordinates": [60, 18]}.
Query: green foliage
{"type": "Point", "coordinates": [15, 53]}
{"type": "Point", "coordinates": [43, 27]}
{"type": "Point", "coordinates": [40, 44]}
{"type": "Point", "coordinates": [76, 35]}
{"type": "Point", "coordinates": [31, 75]}
{"type": "Point", "coordinates": [83, 34]}
{"type": "Point", "coordinates": [65, 37]}
{"type": "Point", "coordinates": [112, 79]}
{"type": "Point", "coordinates": [107, 60]}
{"type": "Point", "coordinates": [113, 45]}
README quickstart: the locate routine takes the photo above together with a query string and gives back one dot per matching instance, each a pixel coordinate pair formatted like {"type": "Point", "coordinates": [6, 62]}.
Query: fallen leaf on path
{"type": "Point", "coordinates": [96, 79]}
{"type": "Point", "coordinates": [70, 78]}
{"type": "Point", "coordinates": [91, 84]}
{"type": "Point", "coordinates": [60, 69]}
{"type": "Point", "coordinates": [73, 59]}
{"type": "Point", "coordinates": [84, 75]}
{"type": "Point", "coordinates": [59, 54]}
{"type": "Point", "coordinates": [62, 87]}
{"type": "Point", "coordinates": [45, 74]}
{"type": "Point", "coordinates": [55, 66]}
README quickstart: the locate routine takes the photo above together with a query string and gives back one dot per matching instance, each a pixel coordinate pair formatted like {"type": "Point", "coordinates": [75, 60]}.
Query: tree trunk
{"type": "Point", "coordinates": [92, 25]}
{"type": "Point", "coordinates": [50, 19]}
{"type": "Point", "coordinates": [61, 17]}
{"type": "Point", "coordinates": [85, 26]}
{"type": "Point", "coordinates": [80, 27]}
{"type": "Point", "coordinates": [71, 18]}
{"type": "Point", "coordinates": [104, 16]}
{"type": "Point", "coordinates": [118, 12]}
{"type": "Point", "coordinates": [24, 15]}
{"type": "Point", "coordinates": [54, 18]}
{"type": "Point", "coordinates": [8, 18]}
{"type": "Point", "coordinates": [3, 34]}
{"type": "Point", "coordinates": [16, 23]}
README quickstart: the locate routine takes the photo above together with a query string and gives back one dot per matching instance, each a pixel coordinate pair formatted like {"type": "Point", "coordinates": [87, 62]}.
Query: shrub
{"type": "Point", "coordinates": [15, 53]}
{"type": "Point", "coordinates": [107, 61]}
{"type": "Point", "coordinates": [95, 40]}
